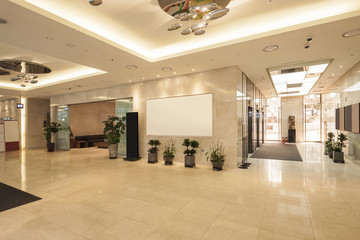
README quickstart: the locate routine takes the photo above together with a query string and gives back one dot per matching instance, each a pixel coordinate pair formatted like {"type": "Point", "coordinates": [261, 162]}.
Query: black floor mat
{"type": "Point", "coordinates": [279, 151]}
{"type": "Point", "coordinates": [11, 197]}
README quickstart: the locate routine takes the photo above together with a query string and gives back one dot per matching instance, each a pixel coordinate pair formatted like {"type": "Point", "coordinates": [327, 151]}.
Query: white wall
{"type": "Point", "coordinates": [220, 82]}
{"type": "Point", "coordinates": [292, 106]}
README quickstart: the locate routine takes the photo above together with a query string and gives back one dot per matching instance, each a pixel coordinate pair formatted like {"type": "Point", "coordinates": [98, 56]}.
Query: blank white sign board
{"type": "Point", "coordinates": [180, 116]}
{"type": "Point", "coordinates": [11, 131]}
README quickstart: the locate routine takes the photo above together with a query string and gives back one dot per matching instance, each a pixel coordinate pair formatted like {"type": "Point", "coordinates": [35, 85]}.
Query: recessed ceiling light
{"type": "Point", "coordinates": [174, 73]}
{"type": "Point", "coordinates": [143, 78]}
{"type": "Point", "coordinates": [351, 33]}
{"type": "Point", "coordinates": [49, 38]}
{"type": "Point", "coordinates": [193, 70]}
{"type": "Point", "coordinates": [129, 80]}
{"type": "Point", "coordinates": [158, 75]}
{"type": "Point", "coordinates": [271, 48]}
{"type": "Point", "coordinates": [3, 21]}
{"type": "Point", "coordinates": [131, 67]}
{"type": "Point", "coordinates": [167, 69]}
{"type": "Point", "coordinates": [340, 66]}
{"type": "Point", "coordinates": [332, 74]}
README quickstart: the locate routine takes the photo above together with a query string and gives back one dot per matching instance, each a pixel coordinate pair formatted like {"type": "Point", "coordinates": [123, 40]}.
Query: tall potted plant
{"type": "Point", "coordinates": [216, 155]}
{"type": "Point", "coordinates": [153, 150]}
{"type": "Point", "coordinates": [49, 130]}
{"type": "Point", "coordinates": [338, 146]}
{"type": "Point", "coordinates": [190, 151]}
{"type": "Point", "coordinates": [114, 128]}
{"type": "Point", "coordinates": [169, 153]}
{"type": "Point", "coordinates": [329, 144]}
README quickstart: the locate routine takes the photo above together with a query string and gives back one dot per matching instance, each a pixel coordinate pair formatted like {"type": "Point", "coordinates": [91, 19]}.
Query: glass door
{"type": "Point", "coordinates": [122, 106]}
{"type": "Point", "coordinates": [63, 136]}
{"type": "Point", "coordinates": [273, 119]}
{"type": "Point", "coordinates": [312, 112]}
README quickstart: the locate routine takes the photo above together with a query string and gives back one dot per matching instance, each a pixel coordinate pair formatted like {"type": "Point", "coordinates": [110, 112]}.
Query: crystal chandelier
{"type": "Point", "coordinates": [198, 13]}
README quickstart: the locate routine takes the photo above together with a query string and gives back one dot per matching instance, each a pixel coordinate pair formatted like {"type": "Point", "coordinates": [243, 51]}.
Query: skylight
{"type": "Point", "coordinates": [298, 80]}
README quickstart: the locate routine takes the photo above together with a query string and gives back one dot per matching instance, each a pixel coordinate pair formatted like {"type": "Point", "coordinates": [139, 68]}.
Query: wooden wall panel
{"type": "Point", "coordinates": [355, 118]}
{"type": "Point", "coordinates": [337, 118]}
{"type": "Point", "coordinates": [348, 118]}
{"type": "Point", "coordinates": [342, 120]}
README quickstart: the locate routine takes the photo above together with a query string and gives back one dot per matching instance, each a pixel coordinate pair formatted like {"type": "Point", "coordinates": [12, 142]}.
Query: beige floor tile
{"type": "Point", "coordinates": [153, 215]}
{"type": "Point", "coordinates": [296, 228]}
{"type": "Point", "coordinates": [206, 207]}
{"type": "Point", "coordinates": [286, 209]}
{"type": "Point", "coordinates": [174, 200]}
{"type": "Point", "coordinates": [164, 235]}
{"type": "Point", "coordinates": [187, 225]}
{"type": "Point", "coordinates": [224, 230]}
{"type": "Point", "coordinates": [94, 223]}
{"type": "Point", "coordinates": [14, 217]}
{"type": "Point", "coordinates": [326, 231]}
{"type": "Point", "coordinates": [267, 235]}
{"type": "Point", "coordinates": [126, 229]}
{"type": "Point", "coordinates": [126, 206]}
{"type": "Point", "coordinates": [341, 216]}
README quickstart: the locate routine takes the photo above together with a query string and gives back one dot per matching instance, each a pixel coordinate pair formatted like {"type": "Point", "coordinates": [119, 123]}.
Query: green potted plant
{"type": "Point", "coordinates": [114, 128]}
{"type": "Point", "coordinates": [338, 147]}
{"type": "Point", "coordinates": [330, 149]}
{"type": "Point", "coordinates": [190, 151]}
{"type": "Point", "coordinates": [328, 144]}
{"type": "Point", "coordinates": [216, 155]}
{"type": "Point", "coordinates": [153, 150]}
{"type": "Point", "coordinates": [49, 130]}
{"type": "Point", "coordinates": [169, 153]}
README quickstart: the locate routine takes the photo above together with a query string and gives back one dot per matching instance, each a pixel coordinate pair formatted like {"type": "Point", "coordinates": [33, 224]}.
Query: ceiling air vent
{"type": "Point", "coordinates": [292, 70]}
{"type": "Point", "coordinates": [290, 92]}
{"type": "Point", "coordinates": [294, 85]}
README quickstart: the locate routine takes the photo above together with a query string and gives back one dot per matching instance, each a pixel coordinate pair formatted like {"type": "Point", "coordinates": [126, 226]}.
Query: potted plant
{"type": "Point", "coordinates": [114, 128]}
{"type": "Point", "coordinates": [49, 130]}
{"type": "Point", "coordinates": [216, 155]}
{"type": "Point", "coordinates": [153, 150]}
{"type": "Point", "coordinates": [338, 146]}
{"type": "Point", "coordinates": [169, 153]}
{"type": "Point", "coordinates": [330, 149]}
{"type": "Point", "coordinates": [190, 151]}
{"type": "Point", "coordinates": [329, 143]}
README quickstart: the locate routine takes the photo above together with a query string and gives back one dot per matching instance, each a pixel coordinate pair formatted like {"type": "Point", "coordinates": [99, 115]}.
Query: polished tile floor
{"type": "Point", "coordinates": [87, 196]}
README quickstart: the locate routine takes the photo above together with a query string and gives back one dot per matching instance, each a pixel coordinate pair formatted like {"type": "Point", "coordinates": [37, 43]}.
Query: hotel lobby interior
{"type": "Point", "coordinates": [268, 80]}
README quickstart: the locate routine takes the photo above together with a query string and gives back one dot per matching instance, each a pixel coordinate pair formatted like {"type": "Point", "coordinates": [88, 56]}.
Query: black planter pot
{"type": "Point", "coordinates": [153, 157]}
{"type": "Point", "coordinates": [338, 157]}
{"type": "Point", "coordinates": [50, 147]}
{"type": "Point", "coordinates": [217, 166]}
{"type": "Point", "coordinates": [168, 160]}
{"type": "Point", "coordinates": [190, 161]}
{"type": "Point", "coordinates": [331, 154]}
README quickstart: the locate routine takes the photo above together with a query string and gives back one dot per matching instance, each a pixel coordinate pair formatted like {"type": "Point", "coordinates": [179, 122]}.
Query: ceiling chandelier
{"type": "Point", "coordinates": [198, 13]}
{"type": "Point", "coordinates": [26, 71]}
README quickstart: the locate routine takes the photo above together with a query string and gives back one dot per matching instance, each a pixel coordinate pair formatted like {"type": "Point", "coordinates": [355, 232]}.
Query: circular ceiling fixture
{"type": "Point", "coordinates": [95, 2]}
{"type": "Point", "coordinates": [197, 12]}
{"type": "Point", "coordinates": [131, 67]}
{"type": "Point", "coordinates": [351, 33]}
{"type": "Point", "coordinates": [271, 48]}
{"type": "Point", "coordinates": [167, 69]}
{"type": "Point", "coordinates": [3, 21]}
{"type": "Point", "coordinates": [25, 69]}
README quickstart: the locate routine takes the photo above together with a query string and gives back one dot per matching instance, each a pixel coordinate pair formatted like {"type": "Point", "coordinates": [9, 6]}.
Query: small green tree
{"type": "Point", "coordinates": [191, 146]}
{"type": "Point", "coordinates": [339, 145]}
{"type": "Point", "coordinates": [50, 129]}
{"type": "Point", "coordinates": [154, 143]}
{"type": "Point", "coordinates": [216, 152]}
{"type": "Point", "coordinates": [114, 128]}
{"type": "Point", "coordinates": [329, 145]}
{"type": "Point", "coordinates": [170, 150]}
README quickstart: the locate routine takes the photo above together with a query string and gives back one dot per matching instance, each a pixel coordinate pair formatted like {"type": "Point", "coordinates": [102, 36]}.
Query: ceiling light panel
{"type": "Point", "coordinates": [297, 80]}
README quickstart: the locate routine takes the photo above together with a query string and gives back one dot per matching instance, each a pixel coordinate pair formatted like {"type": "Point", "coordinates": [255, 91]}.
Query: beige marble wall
{"type": "Point", "coordinates": [8, 108]}
{"type": "Point", "coordinates": [220, 82]}
{"type": "Point", "coordinates": [349, 98]}
{"type": "Point", "coordinates": [87, 119]}
{"type": "Point", "coordinates": [37, 110]}
{"type": "Point", "coordinates": [292, 106]}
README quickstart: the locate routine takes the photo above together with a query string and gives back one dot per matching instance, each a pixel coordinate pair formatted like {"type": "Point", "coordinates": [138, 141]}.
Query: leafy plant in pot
{"type": "Point", "coordinates": [338, 147]}
{"type": "Point", "coordinates": [190, 151]}
{"type": "Point", "coordinates": [114, 128]}
{"type": "Point", "coordinates": [216, 155]}
{"type": "Point", "coordinates": [49, 131]}
{"type": "Point", "coordinates": [153, 150]}
{"type": "Point", "coordinates": [329, 144]}
{"type": "Point", "coordinates": [169, 153]}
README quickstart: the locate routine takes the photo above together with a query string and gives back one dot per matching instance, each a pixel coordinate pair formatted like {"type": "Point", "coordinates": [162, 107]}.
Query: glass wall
{"type": "Point", "coordinates": [122, 106]}
{"type": "Point", "coordinates": [63, 136]}
{"type": "Point", "coordinates": [330, 101]}
{"type": "Point", "coordinates": [312, 116]}
{"type": "Point", "coordinates": [273, 119]}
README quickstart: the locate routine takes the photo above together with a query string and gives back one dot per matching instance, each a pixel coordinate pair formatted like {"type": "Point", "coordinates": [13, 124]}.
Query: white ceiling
{"type": "Point", "coordinates": [139, 37]}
